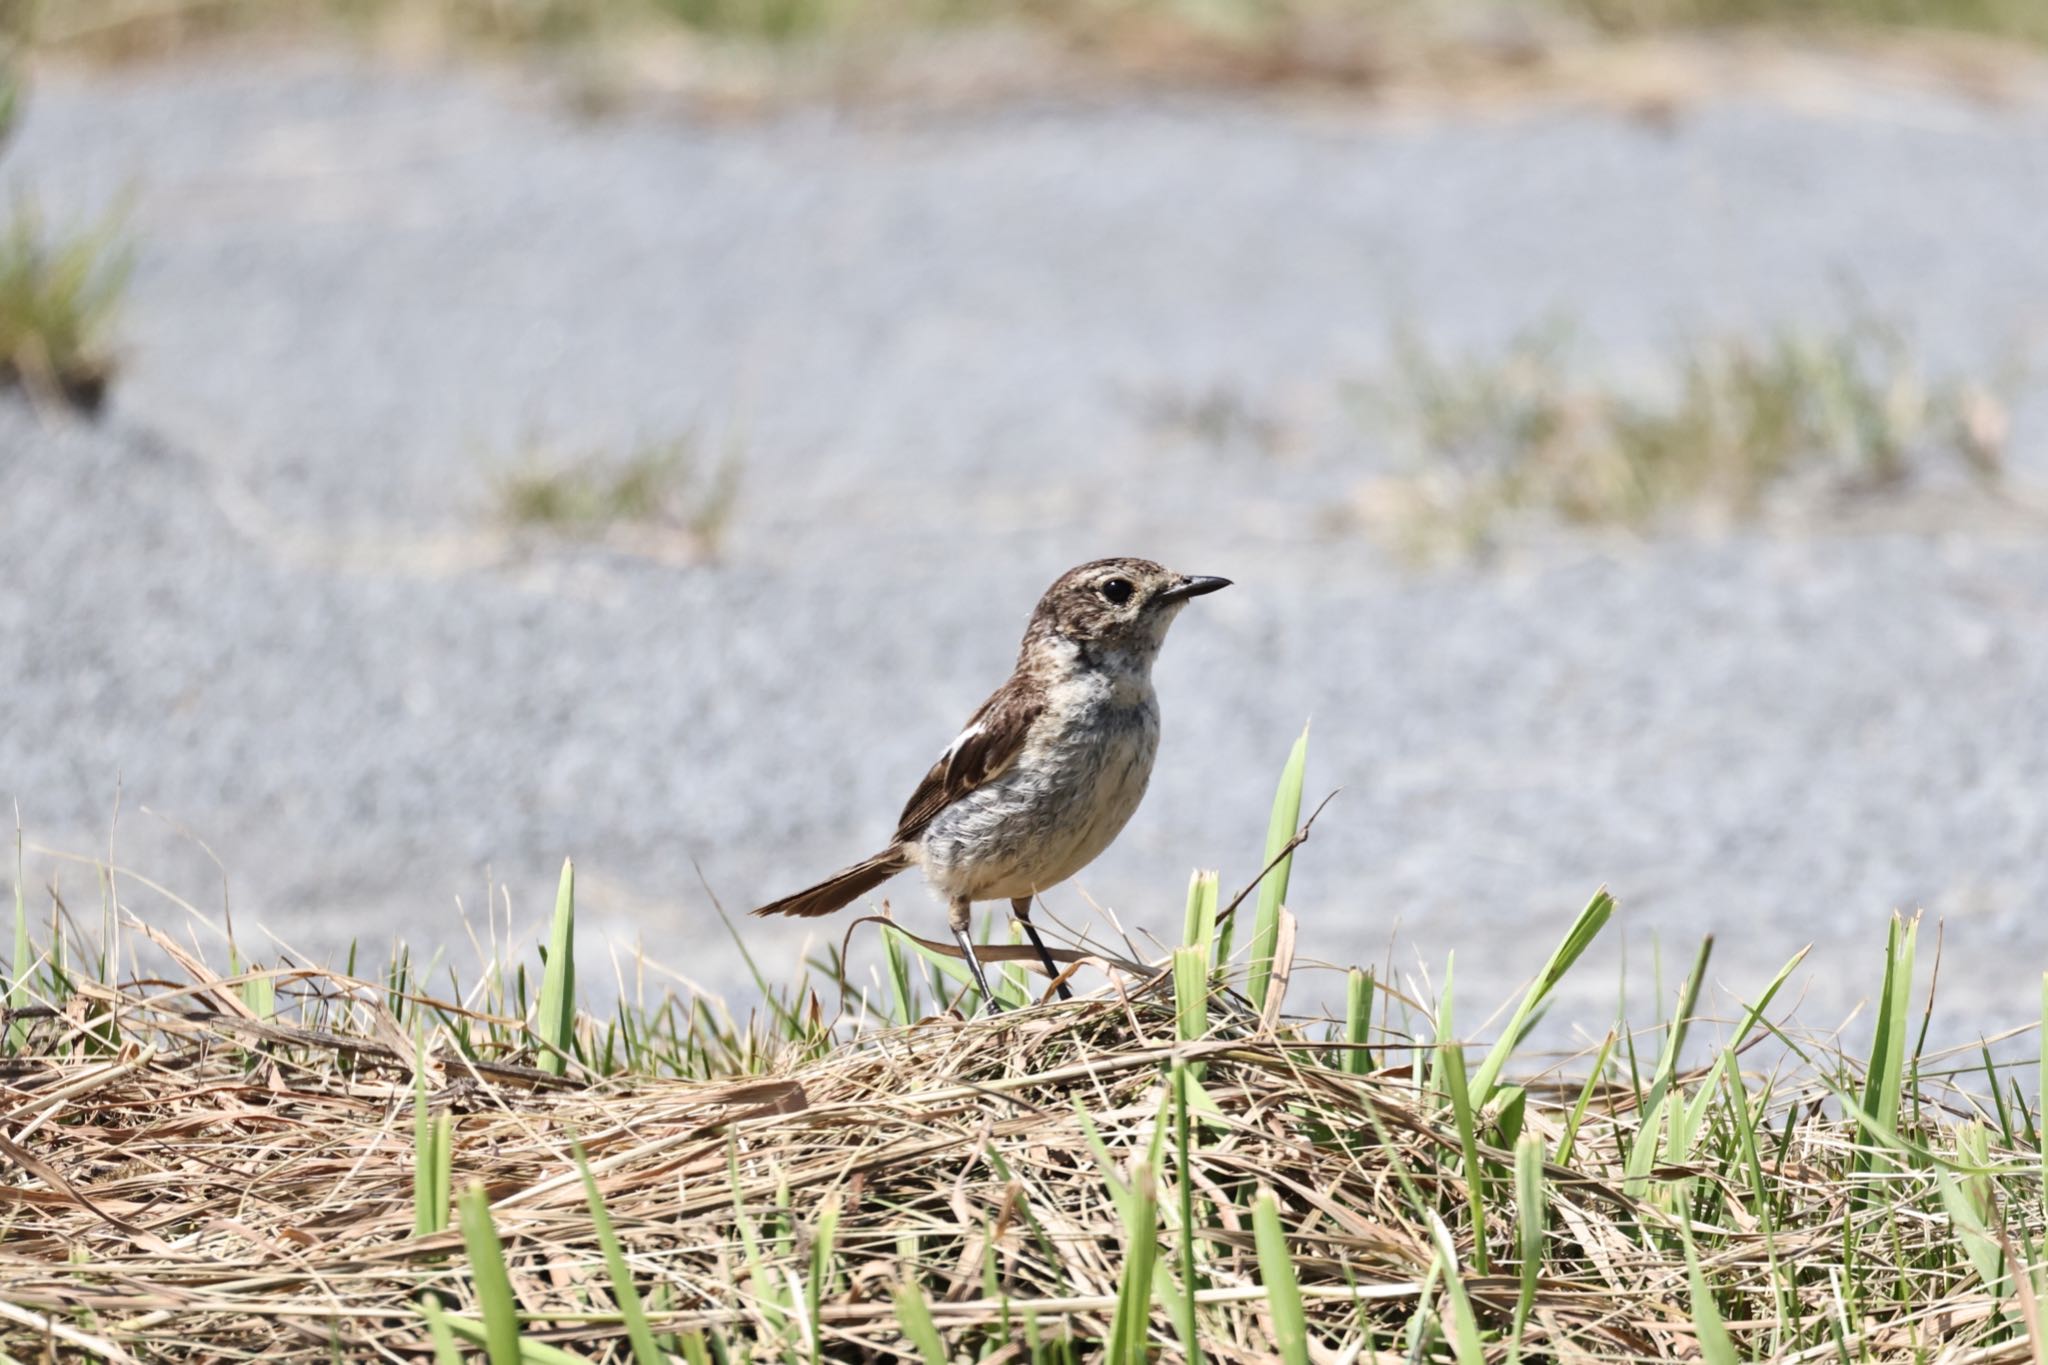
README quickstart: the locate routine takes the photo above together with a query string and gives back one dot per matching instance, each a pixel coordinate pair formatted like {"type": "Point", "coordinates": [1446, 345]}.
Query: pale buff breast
{"type": "Point", "coordinates": [1053, 812]}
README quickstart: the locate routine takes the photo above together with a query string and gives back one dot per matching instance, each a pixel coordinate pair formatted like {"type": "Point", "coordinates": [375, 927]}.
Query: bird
{"type": "Point", "coordinates": [1048, 770]}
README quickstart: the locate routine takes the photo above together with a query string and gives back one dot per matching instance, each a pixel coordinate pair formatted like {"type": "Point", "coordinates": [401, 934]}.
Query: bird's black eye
{"type": "Point", "coordinates": [1118, 591]}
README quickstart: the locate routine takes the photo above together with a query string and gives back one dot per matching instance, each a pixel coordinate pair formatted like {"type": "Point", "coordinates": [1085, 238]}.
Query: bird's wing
{"type": "Point", "coordinates": [981, 753]}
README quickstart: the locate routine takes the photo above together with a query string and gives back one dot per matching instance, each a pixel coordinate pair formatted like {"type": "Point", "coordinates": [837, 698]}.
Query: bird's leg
{"type": "Point", "coordinates": [1020, 906]}
{"type": "Point", "coordinates": [962, 916]}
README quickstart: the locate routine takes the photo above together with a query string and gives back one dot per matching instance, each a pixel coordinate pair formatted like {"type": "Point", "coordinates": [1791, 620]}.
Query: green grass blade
{"type": "Point", "coordinates": [1418, 1321]}
{"type": "Point", "coordinates": [1198, 926]}
{"type": "Point", "coordinates": [1884, 1084]}
{"type": "Point", "coordinates": [18, 965]}
{"type": "Point", "coordinates": [433, 1156]}
{"type": "Point", "coordinates": [446, 1352]}
{"type": "Point", "coordinates": [952, 968]}
{"type": "Point", "coordinates": [2005, 1128]}
{"type": "Point", "coordinates": [823, 1236]}
{"type": "Point", "coordinates": [1013, 977]}
{"type": "Point", "coordinates": [1688, 1000]}
{"type": "Point", "coordinates": [1357, 1059]}
{"type": "Point", "coordinates": [623, 1293]}
{"type": "Point", "coordinates": [1532, 1221]}
{"type": "Point", "coordinates": [444, 1169]}
{"type": "Point", "coordinates": [914, 1315]}
{"type": "Point", "coordinates": [259, 993]}
{"type": "Point", "coordinates": [1190, 993]}
{"type": "Point", "coordinates": [493, 1281]}
{"type": "Point", "coordinates": [1225, 938]}
{"type": "Point", "coordinates": [1577, 939]}
{"type": "Point", "coordinates": [1716, 1348]}
{"type": "Point", "coordinates": [1696, 1115]}
{"type": "Point", "coordinates": [1582, 934]}
{"type": "Point", "coordinates": [1183, 1141]}
{"type": "Point", "coordinates": [558, 980]}
{"type": "Point", "coordinates": [530, 1352]}
{"type": "Point", "coordinates": [1469, 1347]}
{"type": "Point", "coordinates": [769, 1304]}
{"type": "Point", "coordinates": [1762, 1190]}
{"type": "Point", "coordinates": [422, 1154]}
{"type": "Point", "coordinates": [1971, 1205]}
{"type": "Point", "coordinates": [900, 989]}
{"type": "Point", "coordinates": [1452, 1058]}
{"type": "Point", "coordinates": [1662, 1122]}
{"type": "Point", "coordinates": [1509, 1115]}
{"type": "Point", "coordinates": [1441, 1030]}
{"type": "Point", "coordinates": [1276, 1273]}
{"type": "Point", "coordinates": [1285, 820]}
{"type": "Point", "coordinates": [1180, 1306]}
{"type": "Point", "coordinates": [1133, 1321]}
{"type": "Point", "coordinates": [1643, 1151]}
{"type": "Point", "coordinates": [1578, 1115]}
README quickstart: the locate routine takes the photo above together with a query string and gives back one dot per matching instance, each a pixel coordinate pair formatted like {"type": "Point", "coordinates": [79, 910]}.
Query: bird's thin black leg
{"type": "Point", "coordinates": [974, 965]}
{"type": "Point", "coordinates": [1021, 908]}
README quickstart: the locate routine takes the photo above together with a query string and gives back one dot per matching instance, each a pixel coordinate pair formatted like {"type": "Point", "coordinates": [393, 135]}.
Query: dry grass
{"type": "Point", "coordinates": [261, 1165]}
{"type": "Point", "coordinates": [216, 1168]}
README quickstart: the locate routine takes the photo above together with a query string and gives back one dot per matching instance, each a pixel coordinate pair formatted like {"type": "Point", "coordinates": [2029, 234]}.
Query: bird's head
{"type": "Point", "coordinates": [1120, 606]}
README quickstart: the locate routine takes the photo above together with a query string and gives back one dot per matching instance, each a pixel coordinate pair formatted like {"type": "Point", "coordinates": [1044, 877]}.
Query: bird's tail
{"type": "Point", "coordinates": [841, 887]}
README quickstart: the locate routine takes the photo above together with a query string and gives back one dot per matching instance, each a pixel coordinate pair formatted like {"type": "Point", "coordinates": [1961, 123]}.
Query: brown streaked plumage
{"type": "Point", "coordinates": [1049, 768]}
{"type": "Point", "coordinates": [990, 742]}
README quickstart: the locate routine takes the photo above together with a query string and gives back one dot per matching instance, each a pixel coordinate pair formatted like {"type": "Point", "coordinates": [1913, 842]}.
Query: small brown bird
{"type": "Point", "coordinates": [1049, 769]}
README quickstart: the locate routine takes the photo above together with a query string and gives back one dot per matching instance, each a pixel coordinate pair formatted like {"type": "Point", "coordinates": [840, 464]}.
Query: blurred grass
{"type": "Point", "coordinates": [60, 288]}
{"type": "Point", "coordinates": [663, 485]}
{"type": "Point", "coordinates": [1270, 39]}
{"type": "Point", "coordinates": [2026, 20]}
{"type": "Point", "coordinates": [60, 291]}
{"type": "Point", "coordinates": [1726, 427]}
{"type": "Point", "coordinates": [15, 36]}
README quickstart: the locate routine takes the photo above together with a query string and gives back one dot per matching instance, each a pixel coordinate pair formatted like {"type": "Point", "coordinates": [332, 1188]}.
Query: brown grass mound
{"type": "Point", "coordinates": [193, 1176]}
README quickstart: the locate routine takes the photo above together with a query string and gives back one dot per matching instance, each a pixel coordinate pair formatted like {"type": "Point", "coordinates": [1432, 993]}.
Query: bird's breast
{"type": "Point", "coordinates": [1066, 798]}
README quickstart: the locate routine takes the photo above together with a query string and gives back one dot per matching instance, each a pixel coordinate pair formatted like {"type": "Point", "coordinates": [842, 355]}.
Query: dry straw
{"type": "Point", "coordinates": [202, 1167]}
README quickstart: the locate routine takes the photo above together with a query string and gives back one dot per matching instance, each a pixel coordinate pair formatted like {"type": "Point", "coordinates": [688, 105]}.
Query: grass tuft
{"type": "Point", "coordinates": [59, 294]}
{"type": "Point", "coordinates": [659, 487]}
{"type": "Point", "coordinates": [1729, 426]}
{"type": "Point", "coordinates": [2024, 20]}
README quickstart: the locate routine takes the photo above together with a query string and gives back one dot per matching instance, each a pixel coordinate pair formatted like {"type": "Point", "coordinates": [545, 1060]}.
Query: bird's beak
{"type": "Point", "coordinates": [1194, 586]}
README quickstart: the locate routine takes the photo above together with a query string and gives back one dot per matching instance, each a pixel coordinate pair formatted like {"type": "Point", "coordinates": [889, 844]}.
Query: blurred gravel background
{"type": "Point", "coordinates": [266, 603]}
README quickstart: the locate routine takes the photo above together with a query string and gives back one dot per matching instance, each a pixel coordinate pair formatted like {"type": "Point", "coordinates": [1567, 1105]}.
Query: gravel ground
{"type": "Point", "coordinates": [265, 603]}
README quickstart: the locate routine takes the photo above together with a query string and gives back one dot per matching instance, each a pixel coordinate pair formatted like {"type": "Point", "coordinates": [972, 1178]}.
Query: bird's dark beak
{"type": "Point", "coordinates": [1195, 586]}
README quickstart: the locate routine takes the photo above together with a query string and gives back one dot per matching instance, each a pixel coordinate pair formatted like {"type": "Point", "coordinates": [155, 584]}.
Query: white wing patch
{"type": "Point", "coordinates": [954, 748]}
